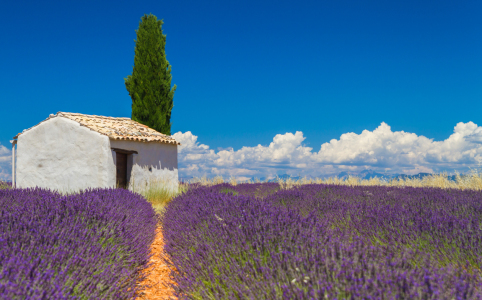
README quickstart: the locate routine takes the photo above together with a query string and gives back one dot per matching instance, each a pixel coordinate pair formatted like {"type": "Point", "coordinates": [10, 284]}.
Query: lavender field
{"type": "Point", "coordinates": [321, 241]}
{"type": "Point", "coordinates": [245, 241]}
{"type": "Point", "coordinates": [90, 245]}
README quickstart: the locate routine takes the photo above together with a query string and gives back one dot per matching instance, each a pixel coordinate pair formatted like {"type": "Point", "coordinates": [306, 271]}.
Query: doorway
{"type": "Point", "coordinates": [121, 170]}
{"type": "Point", "coordinates": [123, 162]}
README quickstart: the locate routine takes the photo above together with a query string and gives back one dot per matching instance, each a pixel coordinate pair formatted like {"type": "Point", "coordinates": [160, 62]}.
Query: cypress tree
{"type": "Point", "coordinates": [149, 86]}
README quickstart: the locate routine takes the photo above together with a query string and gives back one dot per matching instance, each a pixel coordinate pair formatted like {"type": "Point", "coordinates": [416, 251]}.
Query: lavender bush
{"type": "Point", "coordinates": [325, 242]}
{"type": "Point", "coordinates": [91, 245]}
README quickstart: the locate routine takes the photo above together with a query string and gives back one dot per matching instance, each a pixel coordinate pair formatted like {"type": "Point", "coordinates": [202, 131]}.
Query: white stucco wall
{"type": "Point", "coordinates": [59, 154]}
{"type": "Point", "coordinates": [160, 158]}
{"type": "Point", "coordinates": [62, 155]}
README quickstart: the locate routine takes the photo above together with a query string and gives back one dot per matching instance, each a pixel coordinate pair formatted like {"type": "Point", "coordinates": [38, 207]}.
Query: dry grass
{"type": "Point", "coordinates": [159, 193]}
{"type": "Point", "coordinates": [5, 185]}
{"type": "Point", "coordinates": [473, 181]}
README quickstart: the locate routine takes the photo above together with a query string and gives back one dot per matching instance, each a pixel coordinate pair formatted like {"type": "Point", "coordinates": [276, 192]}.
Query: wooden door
{"type": "Point", "coordinates": [121, 167]}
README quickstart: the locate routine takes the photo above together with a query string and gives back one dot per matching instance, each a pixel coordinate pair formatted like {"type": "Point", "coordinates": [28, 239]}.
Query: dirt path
{"type": "Point", "coordinates": [158, 277]}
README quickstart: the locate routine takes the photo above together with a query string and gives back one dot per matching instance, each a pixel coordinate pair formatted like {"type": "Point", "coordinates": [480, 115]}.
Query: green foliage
{"type": "Point", "coordinates": [229, 191]}
{"type": "Point", "coordinates": [149, 86]}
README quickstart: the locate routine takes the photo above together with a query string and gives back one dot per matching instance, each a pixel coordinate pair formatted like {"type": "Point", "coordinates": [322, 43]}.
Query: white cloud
{"type": "Point", "coordinates": [5, 163]}
{"type": "Point", "coordinates": [381, 149]}
{"type": "Point", "coordinates": [197, 159]}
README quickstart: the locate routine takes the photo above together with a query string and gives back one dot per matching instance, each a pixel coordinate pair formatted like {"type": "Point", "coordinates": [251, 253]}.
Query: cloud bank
{"type": "Point", "coordinates": [381, 150]}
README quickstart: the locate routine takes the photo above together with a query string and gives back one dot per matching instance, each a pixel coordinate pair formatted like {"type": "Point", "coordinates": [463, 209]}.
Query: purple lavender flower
{"type": "Point", "coordinates": [91, 245]}
{"type": "Point", "coordinates": [325, 242]}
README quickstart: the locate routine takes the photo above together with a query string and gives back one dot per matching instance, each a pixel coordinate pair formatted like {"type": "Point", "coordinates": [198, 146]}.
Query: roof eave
{"type": "Point", "coordinates": [144, 141]}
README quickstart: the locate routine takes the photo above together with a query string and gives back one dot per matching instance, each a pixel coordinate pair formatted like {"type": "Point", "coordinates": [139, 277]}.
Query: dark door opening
{"type": "Point", "coordinates": [121, 167]}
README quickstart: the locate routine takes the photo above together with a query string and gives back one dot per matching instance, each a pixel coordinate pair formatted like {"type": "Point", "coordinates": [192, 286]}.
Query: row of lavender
{"type": "Point", "coordinates": [90, 245]}
{"type": "Point", "coordinates": [254, 241]}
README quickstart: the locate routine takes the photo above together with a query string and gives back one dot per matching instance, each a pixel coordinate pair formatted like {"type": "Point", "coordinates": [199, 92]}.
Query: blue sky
{"type": "Point", "coordinates": [264, 87]}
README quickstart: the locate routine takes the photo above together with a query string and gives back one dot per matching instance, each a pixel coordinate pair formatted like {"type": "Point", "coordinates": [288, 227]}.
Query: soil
{"type": "Point", "coordinates": [158, 279]}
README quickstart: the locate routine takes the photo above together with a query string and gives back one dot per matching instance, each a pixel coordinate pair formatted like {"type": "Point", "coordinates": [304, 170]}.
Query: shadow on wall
{"type": "Point", "coordinates": [130, 166]}
{"type": "Point", "coordinates": [145, 178]}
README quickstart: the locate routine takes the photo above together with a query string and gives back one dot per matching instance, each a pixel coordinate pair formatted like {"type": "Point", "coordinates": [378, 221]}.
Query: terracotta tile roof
{"type": "Point", "coordinates": [118, 128]}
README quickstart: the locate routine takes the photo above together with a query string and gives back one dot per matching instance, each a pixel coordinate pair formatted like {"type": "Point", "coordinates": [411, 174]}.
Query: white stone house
{"type": "Point", "coordinates": [69, 152]}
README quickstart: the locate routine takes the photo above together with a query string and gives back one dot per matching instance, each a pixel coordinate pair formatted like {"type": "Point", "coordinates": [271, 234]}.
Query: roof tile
{"type": "Point", "coordinates": [118, 128]}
